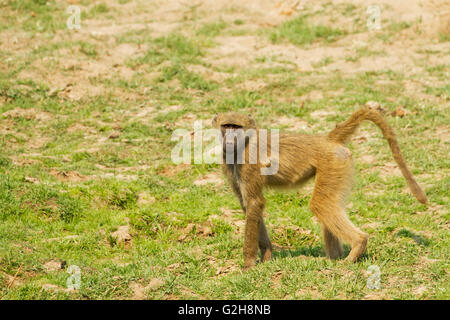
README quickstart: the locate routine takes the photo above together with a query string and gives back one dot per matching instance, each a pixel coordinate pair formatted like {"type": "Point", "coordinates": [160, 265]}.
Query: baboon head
{"type": "Point", "coordinates": [235, 129]}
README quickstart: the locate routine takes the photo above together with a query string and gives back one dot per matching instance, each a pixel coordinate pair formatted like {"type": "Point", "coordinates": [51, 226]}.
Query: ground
{"type": "Point", "coordinates": [87, 115]}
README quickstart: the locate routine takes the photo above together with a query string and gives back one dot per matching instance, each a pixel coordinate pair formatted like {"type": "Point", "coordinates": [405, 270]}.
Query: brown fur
{"type": "Point", "coordinates": [300, 158]}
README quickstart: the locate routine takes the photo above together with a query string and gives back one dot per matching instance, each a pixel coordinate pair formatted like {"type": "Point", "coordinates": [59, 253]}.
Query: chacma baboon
{"type": "Point", "coordinates": [299, 158]}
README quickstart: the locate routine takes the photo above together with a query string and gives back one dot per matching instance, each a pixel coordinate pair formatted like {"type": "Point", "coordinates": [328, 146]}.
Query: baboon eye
{"type": "Point", "coordinates": [232, 126]}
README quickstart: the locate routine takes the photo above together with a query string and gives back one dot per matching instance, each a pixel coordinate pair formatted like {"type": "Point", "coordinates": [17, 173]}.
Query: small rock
{"type": "Point", "coordinates": [114, 135]}
{"type": "Point", "coordinates": [122, 234]}
{"type": "Point", "coordinates": [205, 230]}
{"type": "Point", "coordinates": [53, 265]}
{"type": "Point", "coordinates": [31, 180]}
{"type": "Point", "coordinates": [155, 284]}
{"type": "Point", "coordinates": [139, 291]}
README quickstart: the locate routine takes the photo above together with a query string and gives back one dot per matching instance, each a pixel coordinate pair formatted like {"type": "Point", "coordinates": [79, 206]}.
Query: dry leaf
{"type": "Point", "coordinates": [399, 112]}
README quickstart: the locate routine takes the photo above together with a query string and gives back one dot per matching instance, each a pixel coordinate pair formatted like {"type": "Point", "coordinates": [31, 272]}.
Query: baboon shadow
{"type": "Point", "coordinates": [311, 251]}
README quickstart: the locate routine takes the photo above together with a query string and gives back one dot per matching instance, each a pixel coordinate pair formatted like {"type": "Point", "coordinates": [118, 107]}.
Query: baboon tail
{"type": "Point", "coordinates": [344, 130]}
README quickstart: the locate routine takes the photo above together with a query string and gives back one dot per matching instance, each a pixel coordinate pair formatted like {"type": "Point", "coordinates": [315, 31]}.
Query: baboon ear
{"type": "Point", "coordinates": [214, 120]}
{"type": "Point", "coordinates": [252, 122]}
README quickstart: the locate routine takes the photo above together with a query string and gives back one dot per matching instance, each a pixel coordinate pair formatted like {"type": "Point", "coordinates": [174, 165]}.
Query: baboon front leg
{"type": "Point", "coordinates": [253, 219]}
{"type": "Point", "coordinates": [264, 242]}
{"type": "Point", "coordinates": [326, 204]}
{"type": "Point", "coordinates": [333, 246]}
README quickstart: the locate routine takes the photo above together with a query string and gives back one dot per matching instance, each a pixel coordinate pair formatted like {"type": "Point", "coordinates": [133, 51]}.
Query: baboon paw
{"type": "Point", "coordinates": [350, 259]}
{"type": "Point", "coordinates": [248, 265]}
{"type": "Point", "coordinates": [357, 250]}
{"type": "Point", "coordinates": [266, 255]}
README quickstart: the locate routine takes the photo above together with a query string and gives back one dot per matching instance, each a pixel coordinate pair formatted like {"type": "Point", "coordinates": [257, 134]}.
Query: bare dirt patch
{"type": "Point", "coordinates": [68, 176]}
{"type": "Point", "coordinates": [170, 171]}
{"type": "Point", "coordinates": [29, 114]}
{"type": "Point", "coordinates": [140, 291]}
{"type": "Point", "coordinates": [292, 124]}
{"type": "Point", "coordinates": [443, 133]}
{"type": "Point", "coordinates": [145, 198]}
{"type": "Point", "coordinates": [210, 178]}
{"type": "Point", "coordinates": [388, 169]}
{"type": "Point", "coordinates": [77, 127]}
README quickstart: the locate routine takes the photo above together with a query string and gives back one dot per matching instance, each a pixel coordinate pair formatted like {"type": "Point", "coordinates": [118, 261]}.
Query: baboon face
{"type": "Point", "coordinates": [232, 137]}
{"type": "Point", "coordinates": [233, 128]}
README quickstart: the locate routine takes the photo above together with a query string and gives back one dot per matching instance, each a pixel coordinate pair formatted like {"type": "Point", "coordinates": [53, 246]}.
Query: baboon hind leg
{"type": "Point", "coordinates": [328, 206]}
{"type": "Point", "coordinates": [264, 242]}
{"type": "Point", "coordinates": [333, 246]}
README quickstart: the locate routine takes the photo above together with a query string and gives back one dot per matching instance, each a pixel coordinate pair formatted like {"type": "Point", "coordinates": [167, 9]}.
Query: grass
{"type": "Point", "coordinates": [300, 32]}
{"type": "Point", "coordinates": [88, 49]}
{"type": "Point", "coordinates": [363, 52]}
{"type": "Point", "coordinates": [213, 29]}
{"type": "Point", "coordinates": [187, 79]}
{"type": "Point", "coordinates": [77, 168]}
{"type": "Point", "coordinates": [173, 47]}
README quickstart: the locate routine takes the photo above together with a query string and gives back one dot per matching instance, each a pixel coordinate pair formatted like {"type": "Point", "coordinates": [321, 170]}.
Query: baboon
{"type": "Point", "coordinates": [301, 157]}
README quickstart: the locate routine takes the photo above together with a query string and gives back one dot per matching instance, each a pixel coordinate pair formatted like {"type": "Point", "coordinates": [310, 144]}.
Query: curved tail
{"type": "Point", "coordinates": [344, 130]}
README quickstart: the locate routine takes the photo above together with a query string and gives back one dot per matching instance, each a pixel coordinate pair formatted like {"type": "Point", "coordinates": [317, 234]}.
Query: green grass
{"type": "Point", "coordinates": [187, 79]}
{"type": "Point", "coordinates": [363, 52]}
{"type": "Point", "coordinates": [444, 36]}
{"type": "Point", "coordinates": [74, 171]}
{"type": "Point", "coordinates": [301, 32]}
{"type": "Point", "coordinates": [323, 63]}
{"type": "Point", "coordinates": [212, 29]}
{"type": "Point", "coordinates": [175, 47]}
{"type": "Point", "coordinates": [88, 49]}
{"type": "Point", "coordinates": [95, 11]}
{"type": "Point", "coordinates": [37, 15]}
